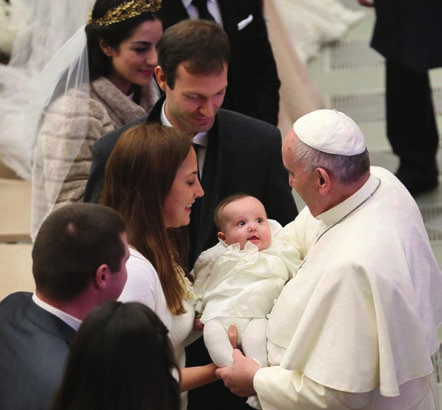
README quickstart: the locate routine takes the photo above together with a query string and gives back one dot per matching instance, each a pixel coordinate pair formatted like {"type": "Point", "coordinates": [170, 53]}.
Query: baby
{"type": "Point", "coordinates": [239, 279]}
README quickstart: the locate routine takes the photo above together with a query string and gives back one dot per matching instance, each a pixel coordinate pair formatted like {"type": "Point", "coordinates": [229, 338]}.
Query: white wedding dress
{"type": "Point", "coordinates": [42, 27]}
{"type": "Point", "coordinates": [298, 29]}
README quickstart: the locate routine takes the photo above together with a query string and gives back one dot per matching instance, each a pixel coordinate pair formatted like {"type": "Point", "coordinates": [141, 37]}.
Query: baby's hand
{"type": "Point", "coordinates": [198, 326]}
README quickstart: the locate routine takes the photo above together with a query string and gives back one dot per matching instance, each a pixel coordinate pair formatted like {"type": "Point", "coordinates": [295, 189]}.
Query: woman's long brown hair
{"type": "Point", "coordinates": [139, 175]}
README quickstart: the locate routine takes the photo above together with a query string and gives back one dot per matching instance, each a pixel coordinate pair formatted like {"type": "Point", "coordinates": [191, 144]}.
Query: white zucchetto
{"type": "Point", "coordinates": [330, 131]}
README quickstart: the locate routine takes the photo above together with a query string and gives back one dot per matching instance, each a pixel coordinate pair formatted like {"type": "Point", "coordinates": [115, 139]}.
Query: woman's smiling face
{"type": "Point", "coordinates": [185, 189]}
{"type": "Point", "coordinates": [134, 60]}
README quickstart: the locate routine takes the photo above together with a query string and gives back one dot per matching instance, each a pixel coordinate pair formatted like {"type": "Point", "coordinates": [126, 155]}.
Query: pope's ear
{"type": "Point", "coordinates": [323, 180]}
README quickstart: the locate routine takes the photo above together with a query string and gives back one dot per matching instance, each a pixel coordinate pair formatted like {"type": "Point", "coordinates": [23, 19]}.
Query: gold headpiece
{"type": "Point", "coordinates": [126, 11]}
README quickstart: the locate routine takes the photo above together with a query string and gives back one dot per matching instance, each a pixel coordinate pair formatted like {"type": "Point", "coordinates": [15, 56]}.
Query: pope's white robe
{"type": "Point", "coordinates": [356, 327]}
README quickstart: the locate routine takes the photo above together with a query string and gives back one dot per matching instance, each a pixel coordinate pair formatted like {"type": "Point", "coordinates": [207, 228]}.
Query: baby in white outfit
{"type": "Point", "coordinates": [239, 279]}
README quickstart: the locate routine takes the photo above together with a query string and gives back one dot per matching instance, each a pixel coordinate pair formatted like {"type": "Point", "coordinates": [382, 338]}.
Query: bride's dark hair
{"type": "Point", "coordinates": [112, 34]}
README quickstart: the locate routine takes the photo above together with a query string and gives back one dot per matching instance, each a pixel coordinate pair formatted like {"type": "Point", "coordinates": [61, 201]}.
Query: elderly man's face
{"type": "Point", "coordinates": [304, 183]}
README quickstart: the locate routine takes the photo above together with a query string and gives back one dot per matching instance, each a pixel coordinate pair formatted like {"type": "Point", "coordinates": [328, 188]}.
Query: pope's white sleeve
{"type": "Point", "coordinates": [282, 389]}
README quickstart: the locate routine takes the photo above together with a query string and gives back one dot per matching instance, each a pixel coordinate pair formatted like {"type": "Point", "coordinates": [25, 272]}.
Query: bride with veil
{"type": "Point", "coordinates": [100, 79]}
{"type": "Point", "coordinates": [297, 29]}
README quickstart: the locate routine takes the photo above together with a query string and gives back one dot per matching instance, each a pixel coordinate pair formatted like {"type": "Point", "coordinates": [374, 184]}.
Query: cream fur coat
{"type": "Point", "coordinates": [63, 129]}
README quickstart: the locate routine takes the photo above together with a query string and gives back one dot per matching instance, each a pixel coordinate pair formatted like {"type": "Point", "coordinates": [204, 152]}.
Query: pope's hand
{"type": "Point", "coordinates": [238, 377]}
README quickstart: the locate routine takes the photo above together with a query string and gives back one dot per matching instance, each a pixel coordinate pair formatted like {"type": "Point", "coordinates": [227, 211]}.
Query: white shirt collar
{"type": "Point", "coordinates": [71, 321]}
{"type": "Point", "coordinates": [201, 139]}
{"type": "Point", "coordinates": [163, 117]}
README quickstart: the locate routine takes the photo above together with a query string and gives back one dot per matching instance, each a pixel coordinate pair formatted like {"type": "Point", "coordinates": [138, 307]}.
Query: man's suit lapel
{"type": "Point", "coordinates": [155, 113]}
{"type": "Point", "coordinates": [232, 13]}
{"type": "Point", "coordinates": [229, 16]}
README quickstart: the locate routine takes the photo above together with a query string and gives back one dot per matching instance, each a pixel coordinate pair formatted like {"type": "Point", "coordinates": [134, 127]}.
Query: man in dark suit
{"type": "Point", "coordinates": [253, 77]}
{"type": "Point", "coordinates": [237, 153]}
{"type": "Point", "coordinates": [79, 261]}
{"type": "Point", "coordinates": [407, 33]}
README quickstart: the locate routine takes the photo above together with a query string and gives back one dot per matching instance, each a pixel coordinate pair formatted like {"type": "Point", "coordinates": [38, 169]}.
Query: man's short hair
{"type": "Point", "coordinates": [203, 45]}
{"type": "Point", "coordinates": [346, 169]}
{"type": "Point", "coordinates": [72, 243]}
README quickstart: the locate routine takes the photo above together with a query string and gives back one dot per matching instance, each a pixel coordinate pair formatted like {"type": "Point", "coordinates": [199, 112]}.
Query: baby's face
{"type": "Point", "coordinates": [245, 220]}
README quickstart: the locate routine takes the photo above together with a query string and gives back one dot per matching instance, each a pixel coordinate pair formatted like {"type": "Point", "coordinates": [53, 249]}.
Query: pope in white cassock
{"type": "Point", "coordinates": [357, 325]}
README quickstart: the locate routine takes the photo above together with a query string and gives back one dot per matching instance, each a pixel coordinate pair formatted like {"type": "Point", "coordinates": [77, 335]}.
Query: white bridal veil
{"type": "Point", "coordinates": [42, 27]}
{"type": "Point", "coordinates": [48, 58]}
{"type": "Point", "coordinates": [61, 87]}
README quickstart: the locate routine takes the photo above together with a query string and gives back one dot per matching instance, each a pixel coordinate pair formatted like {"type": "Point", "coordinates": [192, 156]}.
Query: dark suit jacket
{"type": "Point", "coordinates": [253, 83]}
{"type": "Point", "coordinates": [243, 155]}
{"type": "Point", "coordinates": [33, 348]}
{"type": "Point", "coordinates": [408, 32]}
